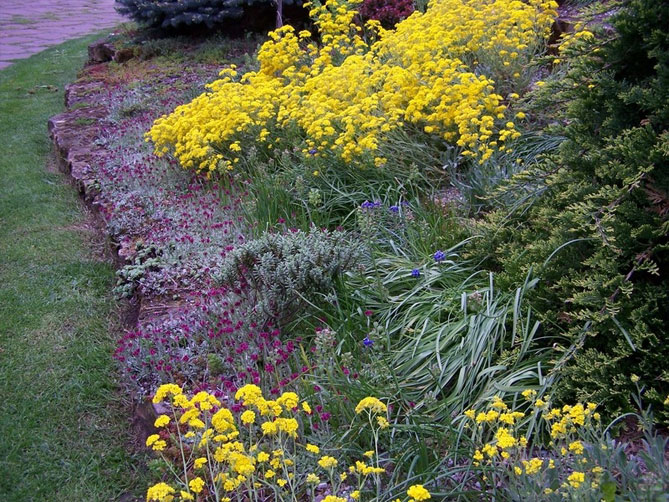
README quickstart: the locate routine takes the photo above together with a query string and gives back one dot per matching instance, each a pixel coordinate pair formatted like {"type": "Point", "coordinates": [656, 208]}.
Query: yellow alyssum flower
{"type": "Point", "coordinates": [152, 439]}
{"type": "Point", "coordinates": [181, 401]}
{"type": "Point", "coordinates": [312, 478]}
{"type": "Point", "coordinates": [364, 469]}
{"type": "Point", "coordinates": [248, 417]}
{"type": "Point", "coordinates": [287, 425]}
{"type": "Point", "coordinates": [249, 395]}
{"type": "Point", "coordinates": [533, 466]}
{"type": "Point", "coordinates": [497, 401]}
{"type": "Point", "coordinates": [348, 94]}
{"type": "Point", "coordinates": [327, 462]}
{"type": "Point", "coordinates": [489, 416]}
{"type": "Point", "coordinates": [196, 485]}
{"type": "Point", "coordinates": [333, 498]}
{"type": "Point", "coordinates": [418, 493]}
{"type": "Point", "coordinates": [223, 421]}
{"type": "Point", "coordinates": [312, 448]}
{"type": "Point", "coordinates": [166, 390]}
{"type": "Point", "coordinates": [576, 447]}
{"type": "Point", "coordinates": [490, 450]}
{"type": "Point", "coordinates": [288, 400]}
{"type": "Point", "coordinates": [504, 438]}
{"type": "Point", "coordinates": [161, 421]}
{"type": "Point", "coordinates": [204, 400]}
{"type": "Point", "coordinates": [576, 479]}
{"type": "Point", "coordinates": [159, 492]}
{"type": "Point", "coordinates": [199, 462]}
{"type": "Point", "coordinates": [189, 415]}
{"type": "Point", "coordinates": [196, 423]}
{"type": "Point", "coordinates": [269, 428]}
{"type": "Point", "coordinates": [371, 404]}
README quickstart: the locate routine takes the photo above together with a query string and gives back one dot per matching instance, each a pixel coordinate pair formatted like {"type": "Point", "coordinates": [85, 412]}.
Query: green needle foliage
{"type": "Point", "coordinates": [597, 230]}
{"type": "Point", "coordinates": [181, 13]}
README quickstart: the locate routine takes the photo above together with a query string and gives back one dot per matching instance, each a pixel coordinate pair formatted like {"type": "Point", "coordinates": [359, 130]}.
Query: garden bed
{"type": "Point", "coordinates": [268, 254]}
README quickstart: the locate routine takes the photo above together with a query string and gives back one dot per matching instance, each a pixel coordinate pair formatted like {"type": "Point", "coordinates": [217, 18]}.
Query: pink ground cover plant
{"type": "Point", "coordinates": [212, 342]}
{"type": "Point", "coordinates": [172, 228]}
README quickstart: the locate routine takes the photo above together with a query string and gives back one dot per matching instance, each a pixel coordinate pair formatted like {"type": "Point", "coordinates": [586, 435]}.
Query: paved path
{"type": "Point", "coordinates": [30, 26]}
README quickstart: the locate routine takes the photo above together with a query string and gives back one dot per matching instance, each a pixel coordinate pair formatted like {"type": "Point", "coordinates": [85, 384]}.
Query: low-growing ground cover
{"type": "Point", "coordinates": [307, 254]}
{"type": "Point", "coordinates": [63, 431]}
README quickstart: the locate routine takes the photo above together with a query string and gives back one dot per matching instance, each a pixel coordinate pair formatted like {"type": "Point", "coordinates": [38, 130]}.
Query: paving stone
{"type": "Point", "coordinates": [27, 28]}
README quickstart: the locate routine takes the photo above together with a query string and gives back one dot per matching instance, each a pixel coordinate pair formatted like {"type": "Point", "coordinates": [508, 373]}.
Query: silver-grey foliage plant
{"type": "Point", "coordinates": [286, 272]}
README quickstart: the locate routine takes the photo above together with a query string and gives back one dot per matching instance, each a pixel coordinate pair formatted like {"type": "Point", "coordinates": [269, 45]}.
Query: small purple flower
{"type": "Point", "coordinates": [313, 151]}
{"type": "Point", "coordinates": [367, 342]}
{"type": "Point", "coordinates": [370, 205]}
{"type": "Point", "coordinates": [439, 256]}
{"type": "Point", "coordinates": [416, 273]}
{"type": "Point", "coordinates": [395, 209]}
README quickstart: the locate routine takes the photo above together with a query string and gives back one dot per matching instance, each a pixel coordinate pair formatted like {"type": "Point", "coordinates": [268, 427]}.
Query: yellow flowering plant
{"type": "Point", "coordinates": [212, 454]}
{"type": "Point", "coordinates": [568, 466]}
{"type": "Point", "coordinates": [443, 73]}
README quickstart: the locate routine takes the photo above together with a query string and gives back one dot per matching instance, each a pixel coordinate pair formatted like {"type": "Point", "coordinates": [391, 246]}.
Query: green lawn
{"type": "Point", "coordinates": [63, 431]}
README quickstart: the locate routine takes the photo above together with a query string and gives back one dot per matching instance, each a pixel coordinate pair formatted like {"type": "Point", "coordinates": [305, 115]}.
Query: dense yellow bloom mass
{"type": "Point", "coordinates": [345, 97]}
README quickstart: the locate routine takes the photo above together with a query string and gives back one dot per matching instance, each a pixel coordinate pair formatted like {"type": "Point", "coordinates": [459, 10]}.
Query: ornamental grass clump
{"type": "Point", "coordinates": [211, 453]}
{"type": "Point", "coordinates": [435, 75]}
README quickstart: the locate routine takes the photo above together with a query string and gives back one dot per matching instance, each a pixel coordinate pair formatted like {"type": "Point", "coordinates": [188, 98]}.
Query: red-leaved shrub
{"type": "Point", "coordinates": [387, 12]}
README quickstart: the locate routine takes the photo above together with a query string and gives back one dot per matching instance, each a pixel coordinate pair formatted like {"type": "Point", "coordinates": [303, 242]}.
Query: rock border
{"type": "Point", "coordinates": [73, 134]}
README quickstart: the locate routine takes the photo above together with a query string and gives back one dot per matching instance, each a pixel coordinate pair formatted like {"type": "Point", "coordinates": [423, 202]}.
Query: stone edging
{"type": "Point", "coordinates": [73, 134]}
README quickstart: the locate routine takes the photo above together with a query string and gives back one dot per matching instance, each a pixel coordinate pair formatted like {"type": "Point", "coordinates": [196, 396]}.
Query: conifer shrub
{"type": "Point", "coordinates": [596, 231]}
{"type": "Point", "coordinates": [198, 13]}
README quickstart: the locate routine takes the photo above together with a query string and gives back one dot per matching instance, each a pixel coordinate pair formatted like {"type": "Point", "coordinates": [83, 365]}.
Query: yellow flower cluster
{"type": "Point", "coordinates": [233, 460]}
{"type": "Point", "coordinates": [372, 405]}
{"type": "Point", "coordinates": [344, 97]}
{"type": "Point", "coordinates": [566, 420]}
{"type": "Point", "coordinates": [418, 493]}
{"type": "Point", "coordinates": [507, 447]}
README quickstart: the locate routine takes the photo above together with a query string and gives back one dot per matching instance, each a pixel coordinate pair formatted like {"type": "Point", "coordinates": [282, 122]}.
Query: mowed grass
{"type": "Point", "coordinates": [64, 434]}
